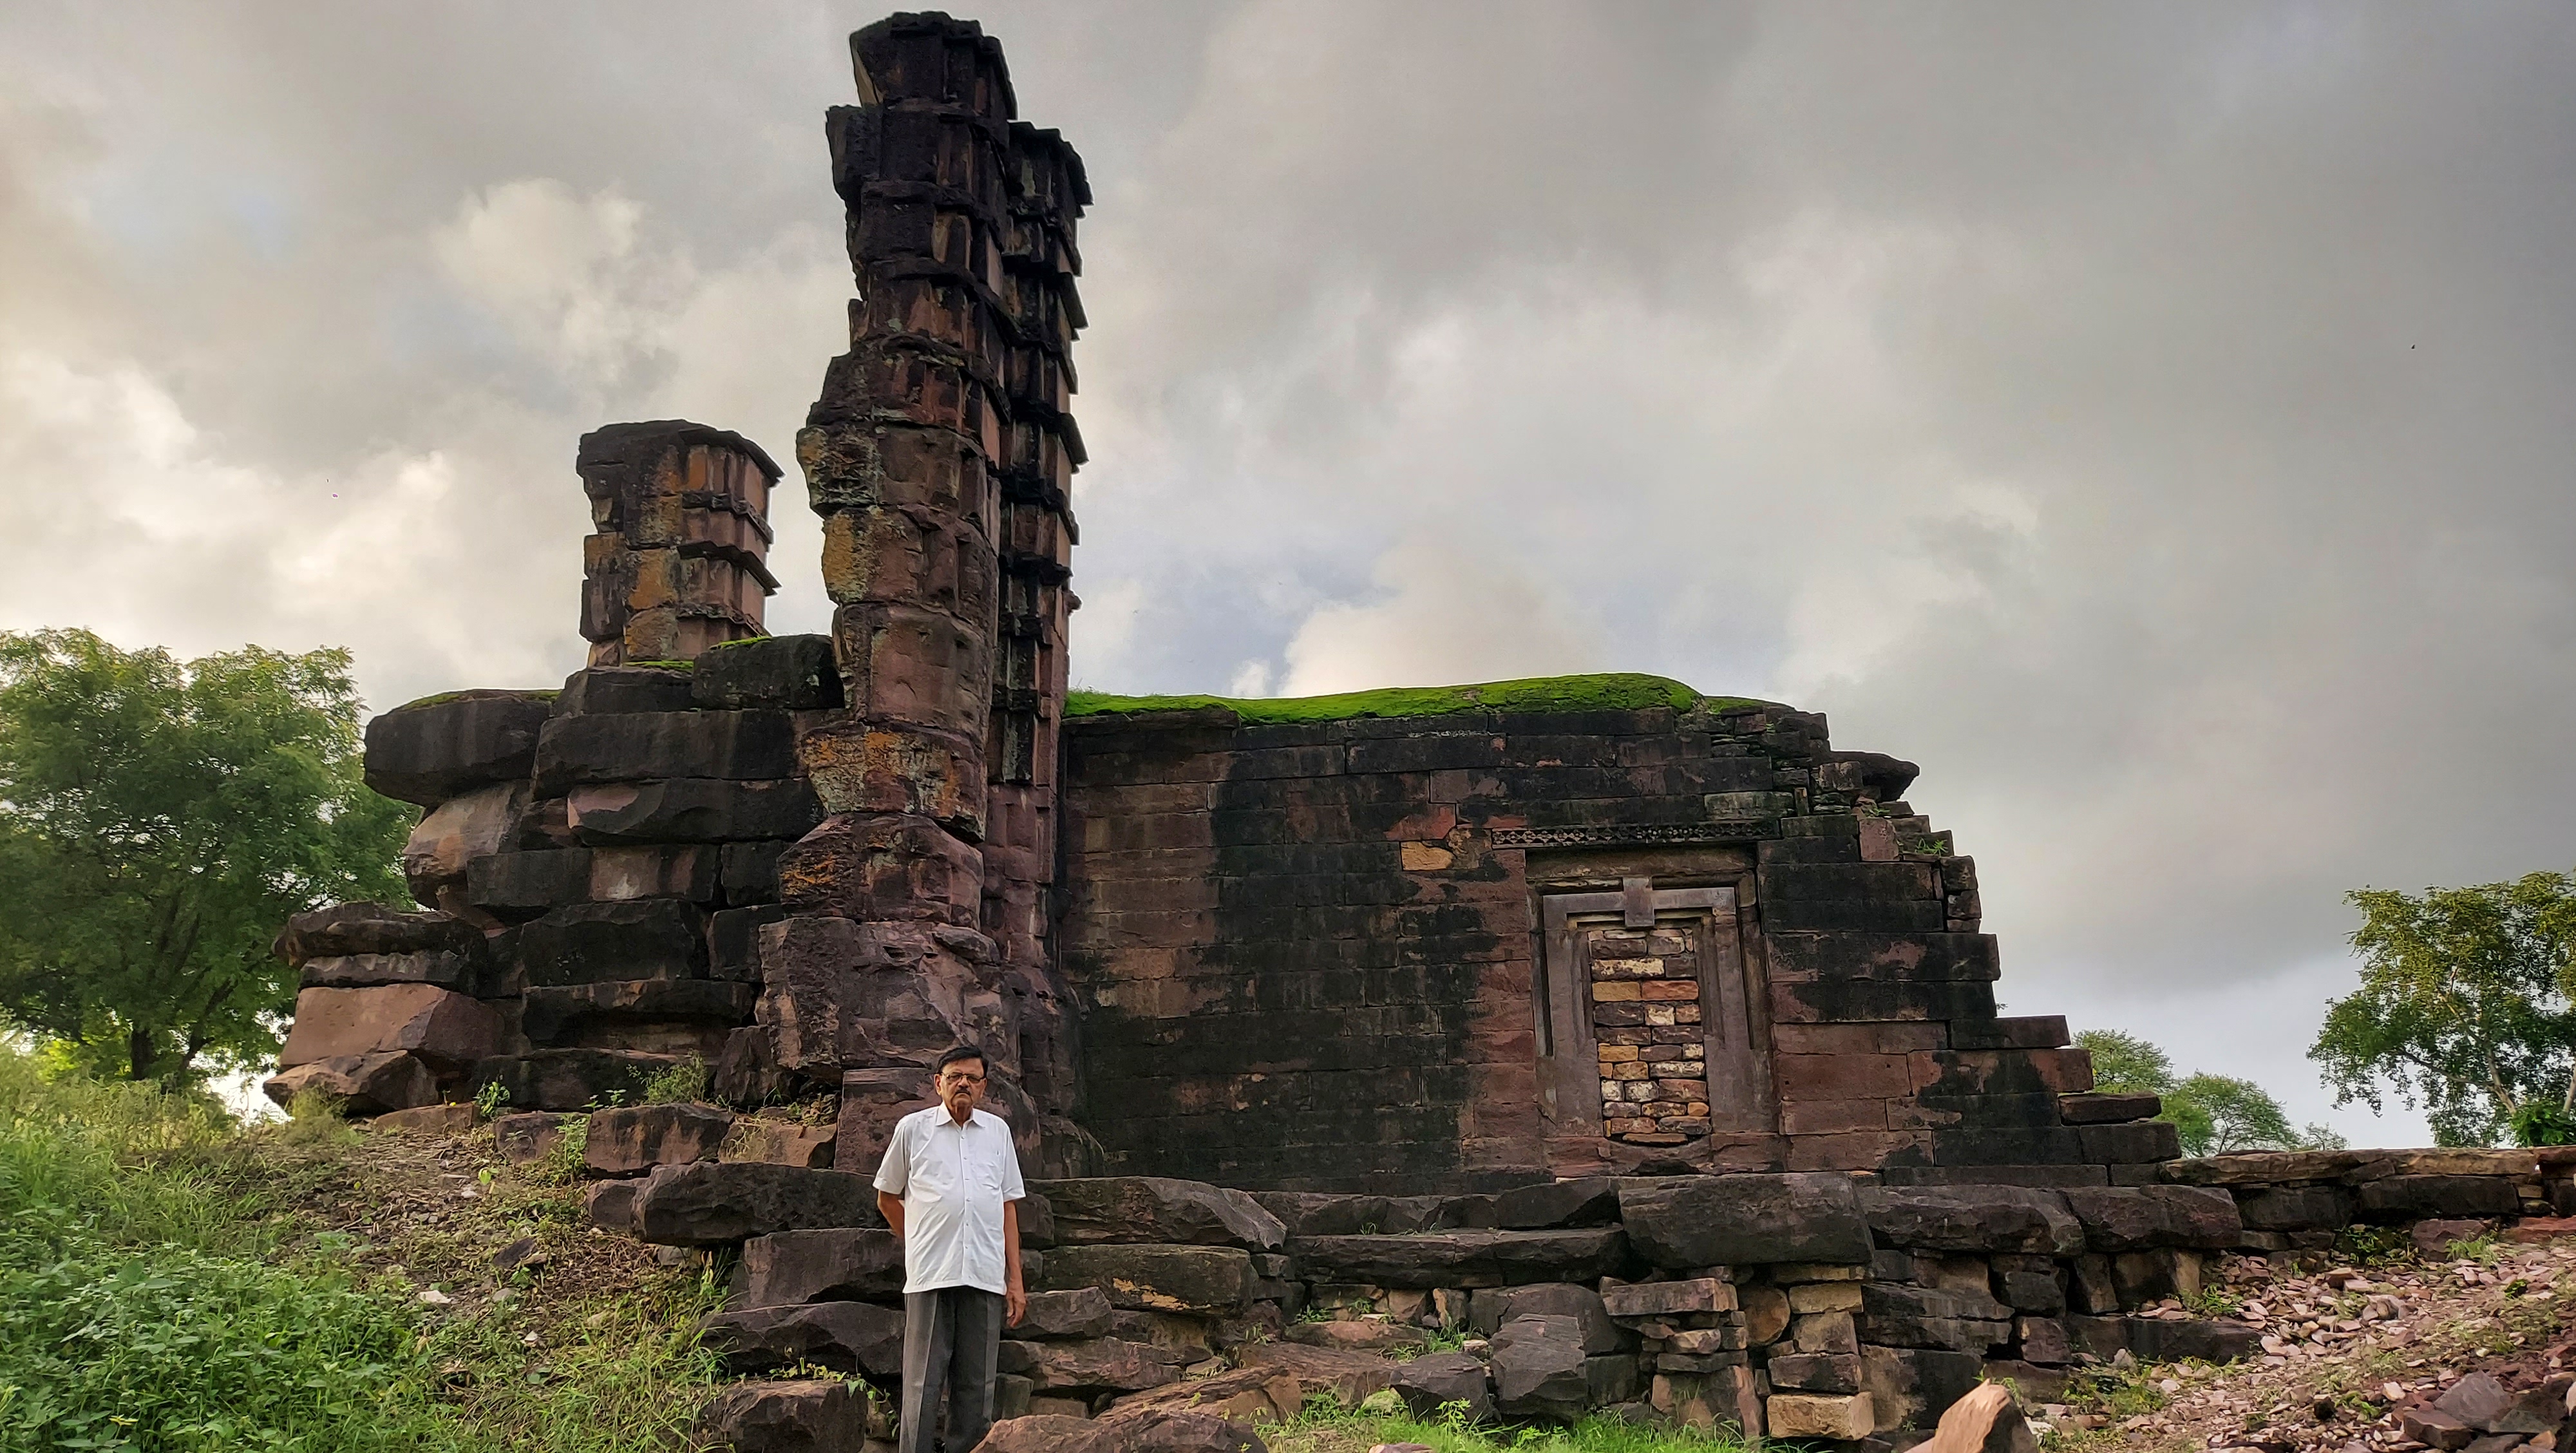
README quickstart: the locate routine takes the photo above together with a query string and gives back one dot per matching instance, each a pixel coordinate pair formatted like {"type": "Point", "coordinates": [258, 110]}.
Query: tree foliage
{"type": "Point", "coordinates": [2211, 1114]}
{"type": "Point", "coordinates": [2464, 1007]}
{"type": "Point", "coordinates": [159, 820]}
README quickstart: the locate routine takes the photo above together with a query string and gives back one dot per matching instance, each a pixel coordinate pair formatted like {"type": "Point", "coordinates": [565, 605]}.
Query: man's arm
{"type": "Point", "coordinates": [890, 1206]}
{"type": "Point", "coordinates": [1015, 1299]}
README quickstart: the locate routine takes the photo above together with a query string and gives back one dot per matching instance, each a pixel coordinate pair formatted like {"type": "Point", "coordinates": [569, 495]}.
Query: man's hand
{"type": "Point", "coordinates": [891, 1207]}
{"type": "Point", "coordinates": [1014, 1300]}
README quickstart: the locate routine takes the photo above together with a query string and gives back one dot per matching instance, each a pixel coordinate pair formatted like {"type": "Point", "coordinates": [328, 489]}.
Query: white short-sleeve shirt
{"type": "Point", "coordinates": [953, 1180]}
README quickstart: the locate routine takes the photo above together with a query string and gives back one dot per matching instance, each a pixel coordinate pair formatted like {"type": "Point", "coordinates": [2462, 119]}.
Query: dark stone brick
{"type": "Point", "coordinates": [607, 690]}
{"type": "Point", "coordinates": [748, 872]}
{"type": "Point", "coordinates": [791, 673]}
{"type": "Point", "coordinates": [2142, 1140]}
{"type": "Point", "coordinates": [1855, 914]}
{"type": "Point", "coordinates": [432, 750]}
{"type": "Point", "coordinates": [2029, 1031]}
{"type": "Point", "coordinates": [571, 1014]}
{"type": "Point", "coordinates": [1924, 957]}
{"type": "Point", "coordinates": [568, 1079]}
{"type": "Point", "coordinates": [1861, 1001]}
{"type": "Point", "coordinates": [2417, 1196]}
{"type": "Point", "coordinates": [1448, 1258]}
{"type": "Point", "coordinates": [733, 940]}
{"type": "Point", "coordinates": [632, 746]}
{"type": "Point", "coordinates": [2101, 1108]}
{"type": "Point", "coordinates": [583, 943]}
{"type": "Point", "coordinates": [693, 810]}
{"type": "Point", "coordinates": [2295, 1208]}
{"type": "Point", "coordinates": [522, 885]}
{"type": "Point", "coordinates": [1728, 1220]}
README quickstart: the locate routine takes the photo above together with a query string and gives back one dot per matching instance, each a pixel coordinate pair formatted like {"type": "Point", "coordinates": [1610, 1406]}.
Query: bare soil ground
{"type": "Point", "coordinates": [2348, 1350]}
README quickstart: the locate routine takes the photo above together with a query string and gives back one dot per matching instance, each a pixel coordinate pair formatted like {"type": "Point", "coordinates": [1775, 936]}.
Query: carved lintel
{"type": "Point", "coordinates": [1619, 835]}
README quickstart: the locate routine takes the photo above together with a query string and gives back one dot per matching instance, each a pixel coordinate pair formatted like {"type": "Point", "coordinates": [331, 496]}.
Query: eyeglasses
{"type": "Point", "coordinates": [955, 1079]}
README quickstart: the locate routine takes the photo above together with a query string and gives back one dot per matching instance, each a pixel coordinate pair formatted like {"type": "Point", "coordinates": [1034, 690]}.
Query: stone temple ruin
{"type": "Point", "coordinates": [1592, 1004]}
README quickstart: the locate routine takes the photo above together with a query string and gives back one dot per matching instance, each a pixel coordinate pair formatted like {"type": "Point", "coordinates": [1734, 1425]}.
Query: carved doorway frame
{"type": "Point", "coordinates": [1739, 1073]}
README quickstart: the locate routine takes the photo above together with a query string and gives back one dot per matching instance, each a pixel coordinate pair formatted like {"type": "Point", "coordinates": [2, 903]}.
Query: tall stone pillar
{"type": "Point", "coordinates": [938, 456]}
{"type": "Point", "coordinates": [678, 558]}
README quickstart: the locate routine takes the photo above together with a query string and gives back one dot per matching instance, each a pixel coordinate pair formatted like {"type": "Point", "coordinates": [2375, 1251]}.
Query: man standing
{"type": "Point", "coordinates": [950, 1188]}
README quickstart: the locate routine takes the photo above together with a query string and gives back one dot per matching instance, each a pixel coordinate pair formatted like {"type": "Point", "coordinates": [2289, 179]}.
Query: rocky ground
{"type": "Point", "coordinates": [2397, 1354]}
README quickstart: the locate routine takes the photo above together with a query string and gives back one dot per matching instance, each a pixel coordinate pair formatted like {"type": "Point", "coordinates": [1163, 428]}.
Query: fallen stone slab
{"type": "Point", "coordinates": [1081, 1312]}
{"type": "Point", "coordinates": [1844, 1417]}
{"type": "Point", "coordinates": [1197, 1279]}
{"type": "Point", "coordinates": [1246, 1394]}
{"type": "Point", "coordinates": [443, 968]}
{"type": "Point", "coordinates": [2101, 1107]}
{"type": "Point", "coordinates": [1360, 1334]}
{"type": "Point", "coordinates": [1896, 1315]}
{"type": "Point", "coordinates": [348, 929]}
{"type": "Point", "coordinates": [850, 1337]}
{"type": "Point", "coordinates": [1591, 1201]}
{"type": "Point", "coordinates": [1984, 1420]}
{"type": "Point", "coordinates": [1488, 1308]}
{"type": "Point", "coordinates": [364, 1084]}
{"type": "Point", "coordinates": [1987, 1219]}
{"type": "Point", "coordinates": [1430, 1384]}
{"type": "Point", "coordinates": [435, 749]}
{"type": "Point", "coordinates": [439, 1025]}
{"type": "Point", "coordinates": [1154, 1208]}
{"type": "Point", "coordinates": [779, 1142]}
{"type": "Point", "coordinates": [1091, 1364]}
{"type": "Point", "coordinates": [1539, 1372]}
{"type": "Point", "coordinates": [610, 1205]}
{"type": "Point", "coordinates": [528, 1136]}
{"type": "Point", "coordinates": [2156, 1339]}
{"type": "Point", "coordinates": [714, 1202]}
{"type": "Point", "coordinates": [1318, 1213]}
{"type": "Point", "coordinates": [1464, 1258]}
{"type": "Point", "coordinates": [2136, 1218]}
{"type": "Point", "coordinates": [804, 1416]}
{"type": "Point", "coordinates": [1744, 1220]}
{"type": "Point", "coordinates": [1142, 1430]}
{"type": "Point", "coordinates": [636, 1138]}
{"type": "Point", "coordinates": [1349, 1375]}
{"type": "Point", "coordinates": [789, 1268]}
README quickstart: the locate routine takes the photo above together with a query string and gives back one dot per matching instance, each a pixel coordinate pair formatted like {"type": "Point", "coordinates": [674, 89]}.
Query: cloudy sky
{"type": "Point", "coordinates": [2154, 420]}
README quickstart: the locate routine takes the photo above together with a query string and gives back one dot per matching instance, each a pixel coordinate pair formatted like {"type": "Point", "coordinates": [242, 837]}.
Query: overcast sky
{"type": "Point", "coordinates": [2154, 420]}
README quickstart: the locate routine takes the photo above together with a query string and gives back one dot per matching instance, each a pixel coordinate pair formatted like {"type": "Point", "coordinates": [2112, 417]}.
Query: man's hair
{"type": "Point", "coordinates": [959, 1055]}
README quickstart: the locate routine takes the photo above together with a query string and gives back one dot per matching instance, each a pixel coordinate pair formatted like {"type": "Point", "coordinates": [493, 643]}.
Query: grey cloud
{"type": "Point", "coordinates": [2152, 420]}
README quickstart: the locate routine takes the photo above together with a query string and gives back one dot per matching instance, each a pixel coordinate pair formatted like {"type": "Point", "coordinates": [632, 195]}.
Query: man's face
{"type": "Point", "coordinates": [961, 1087]}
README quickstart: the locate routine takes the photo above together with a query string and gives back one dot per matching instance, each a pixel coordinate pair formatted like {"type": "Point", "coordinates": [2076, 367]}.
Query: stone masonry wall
{"type": "Point", "coordinates": [1317, 955]}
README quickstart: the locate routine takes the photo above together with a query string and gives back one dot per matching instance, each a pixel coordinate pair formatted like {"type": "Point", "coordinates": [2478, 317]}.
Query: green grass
{"type": "Point", "coordinates": [164, 1288]}
{"type": "Point", "coordinates": [1322, 1428]}
{"type": "Point", "coordinates": [533, 693]}
{"type": "Point", "coordinates": [1613, 691]}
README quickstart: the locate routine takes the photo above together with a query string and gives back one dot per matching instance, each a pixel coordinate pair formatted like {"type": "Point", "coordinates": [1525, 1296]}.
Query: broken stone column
{"type": "Point", "coordinates": [937, 454]}
{"type": "Point", "coordinates": [679, 557]}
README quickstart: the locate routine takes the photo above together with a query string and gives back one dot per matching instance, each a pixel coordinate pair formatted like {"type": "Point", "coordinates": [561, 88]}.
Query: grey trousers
{"type": "Point", "coordinates": [950, 1339]}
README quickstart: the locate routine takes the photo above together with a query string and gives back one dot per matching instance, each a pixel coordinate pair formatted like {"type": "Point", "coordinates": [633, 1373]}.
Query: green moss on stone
{"type": "Point", "coordinates": [534, 693]}
{"type": "Point", "coordinates": [720, 645]}
{"type": "Point", "coordinates": [1610, 691]}
{"type": "Point", "coordinates": [666, 665]}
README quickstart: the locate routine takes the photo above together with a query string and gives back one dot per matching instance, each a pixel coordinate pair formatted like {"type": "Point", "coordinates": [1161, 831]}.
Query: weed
{"type": "Point", "coordinates": [1322, 1427]}
{"type": "Point", "coordinates": [2373, 1246]}
{"type": "Point", "coordinates": [491, 1099]}
{"type": "Point", "coordinates": [563, 1162]}
{"type": "Point", "coordinates": [2480, 1249]}
{"type": "Point", "coordinates": [687, 1080]}
{"type": "Point", "coordinates": [2214, 1300]}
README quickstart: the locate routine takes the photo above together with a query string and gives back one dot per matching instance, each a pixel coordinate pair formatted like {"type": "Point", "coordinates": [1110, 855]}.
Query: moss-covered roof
{"type": "Point", "coordinates": [1608, 691]}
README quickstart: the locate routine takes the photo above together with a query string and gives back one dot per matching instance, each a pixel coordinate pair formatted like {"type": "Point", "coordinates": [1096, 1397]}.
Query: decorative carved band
{"type": "Point", "coordinates": [1733, 830]}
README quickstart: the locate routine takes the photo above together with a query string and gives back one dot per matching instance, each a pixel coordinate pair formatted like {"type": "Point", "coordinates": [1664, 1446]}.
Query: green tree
{"type": "Point", "coordinates": [2463, 1008]}
{"type": "Point", "coordinates": [2211, 1114]}
{"type": "Point", "coordinates": [159, 820]}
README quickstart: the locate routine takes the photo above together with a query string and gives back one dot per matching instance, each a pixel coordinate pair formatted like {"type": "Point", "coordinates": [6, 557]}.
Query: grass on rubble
{"type": "Point", "coordinates": [1606, 691]}
{"type": "Point", "coordinates": [171, 1282]}
{"type": "Point", "coordinates": [1323, 1427]}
